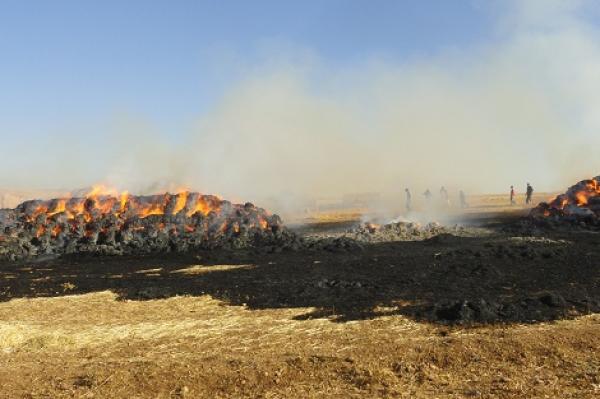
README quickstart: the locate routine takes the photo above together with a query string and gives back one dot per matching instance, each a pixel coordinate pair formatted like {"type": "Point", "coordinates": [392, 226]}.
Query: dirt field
{"type": "Point", "coordinates": [368, 323]}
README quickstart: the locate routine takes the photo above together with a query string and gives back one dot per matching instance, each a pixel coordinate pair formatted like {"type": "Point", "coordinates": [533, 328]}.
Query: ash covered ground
{"type": "Point", "coordinates": [493, 268]}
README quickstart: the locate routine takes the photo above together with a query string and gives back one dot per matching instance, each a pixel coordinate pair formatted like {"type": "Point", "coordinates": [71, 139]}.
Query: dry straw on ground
{"type": "Point", "coordinates": [95, 346]}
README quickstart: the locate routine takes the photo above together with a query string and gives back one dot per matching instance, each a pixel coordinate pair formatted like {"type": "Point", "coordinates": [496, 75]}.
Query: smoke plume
{"type": "Point", "coordinates": [521, 107]}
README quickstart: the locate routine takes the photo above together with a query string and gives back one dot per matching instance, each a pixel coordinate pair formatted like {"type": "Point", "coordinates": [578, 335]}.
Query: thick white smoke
{"type": "Point", "coordinates": [520, 108]}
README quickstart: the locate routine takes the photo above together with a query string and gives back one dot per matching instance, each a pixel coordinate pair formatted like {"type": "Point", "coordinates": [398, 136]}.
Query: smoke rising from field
{"type": "Point", "coordinates": [521, 107]}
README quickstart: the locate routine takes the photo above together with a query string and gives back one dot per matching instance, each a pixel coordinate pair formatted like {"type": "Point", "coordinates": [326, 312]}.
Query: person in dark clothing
{"type": "Point", "coordinates": [407, 204]}
{"type": "Point", "coordinates": [444, 196]}
{"type": "Point", "coordinates": [512, 195]}
{"type": "Point", "coordinates": [529, 194]}
{"type": "Point", "coordinates": [427, 195]}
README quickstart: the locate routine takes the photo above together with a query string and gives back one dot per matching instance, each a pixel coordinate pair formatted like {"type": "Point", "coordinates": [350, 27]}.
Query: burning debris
{"type": "Point", "coordinates": [107, 222]}
{"type": "Point", "coordinates": [579, 205]}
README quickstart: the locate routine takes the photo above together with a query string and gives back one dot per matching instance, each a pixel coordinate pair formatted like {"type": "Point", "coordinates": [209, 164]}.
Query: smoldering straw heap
{"type": "Point", "coordinates": [579, 204]}
{"type": "Point", "coordinates": [111, 223]}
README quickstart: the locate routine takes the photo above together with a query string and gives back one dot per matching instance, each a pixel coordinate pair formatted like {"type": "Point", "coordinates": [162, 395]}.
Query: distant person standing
{"type": "Point", "coordinates": [529, 194]}
{"type": "Point", "coordinates": [408, 200]}
{"type": "Point", "coordinates": [512, 195]}
{"type": "Point", "coordinates": [428, 196]}
{"type": "Point", "coordinates": [463, 199]}
{"type": "Point", "coordinates": [444, 196]}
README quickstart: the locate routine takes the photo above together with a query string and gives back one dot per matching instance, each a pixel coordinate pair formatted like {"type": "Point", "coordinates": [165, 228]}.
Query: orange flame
{"type": "Point", "coordinates": [203, 207]}
{"type": "Point", "coordinates": [59, 208]}
{"type": "Point", "coordinates": [101, 189]}
{"type": "Point", "coordinates": [582, 198]}
{"type": "Point", "coordinates": [101, 200]}
{"type": "Point", "coordinates": [56, 231]}
{"type": "Point", "coordinates": [123, 200]}
{"type": "Point", "coordinates": [41, 230]}
{"type": "Point", "coordinates": [578, 195]}
{"type": "Point", "coordinates": [105, 206]}
{"type": "Point", "coordinates": [152, 209]}
{"type": "Point", "coordinates": [181, 202]}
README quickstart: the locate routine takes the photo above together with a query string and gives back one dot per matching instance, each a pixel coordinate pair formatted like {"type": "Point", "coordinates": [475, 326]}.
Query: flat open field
{"type": "Point", "coordinates": [306, 324]}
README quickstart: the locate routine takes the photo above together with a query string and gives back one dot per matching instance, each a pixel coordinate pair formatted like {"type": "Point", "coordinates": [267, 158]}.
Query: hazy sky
{"type": "Point", "coordinates": [366, 94]}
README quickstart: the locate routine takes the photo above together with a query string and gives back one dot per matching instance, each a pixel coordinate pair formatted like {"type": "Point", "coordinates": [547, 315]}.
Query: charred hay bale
{"type": "Point", "coordinates": [138, 224]}
{"type": "Point", "coordinates": [594, 205]}
{"type": "Point", "coordinates": [8, 218]}
{"type": "Point", "coordinates": [28, 208]}
{"type": "Point", "coordinates": [578, 206]}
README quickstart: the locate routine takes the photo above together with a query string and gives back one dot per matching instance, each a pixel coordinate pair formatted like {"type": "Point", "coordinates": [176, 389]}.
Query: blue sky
{"type": "Point", "coordinates": [377, 94]}
{"type": "Point", "coordinates": [71, 63]}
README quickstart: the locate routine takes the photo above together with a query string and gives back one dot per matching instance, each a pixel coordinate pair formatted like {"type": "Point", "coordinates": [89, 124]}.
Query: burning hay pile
{"type": "Point", "coordinates": [580, 205]}
{"type": "Point", "coordinates": [121, 224]}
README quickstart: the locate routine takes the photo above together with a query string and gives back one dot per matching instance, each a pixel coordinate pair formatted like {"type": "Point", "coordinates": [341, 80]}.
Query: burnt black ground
{"type": "Point", "coordinates": [501, 277]}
